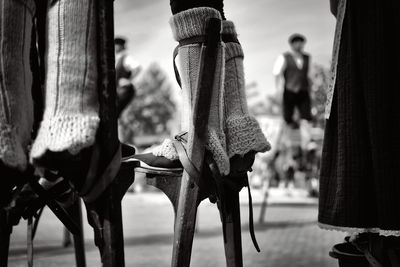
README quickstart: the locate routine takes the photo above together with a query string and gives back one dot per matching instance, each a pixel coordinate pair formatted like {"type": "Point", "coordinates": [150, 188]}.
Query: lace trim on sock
{"type": "Point", "coordinates": [11, 152]}
{"type": "Point", "coordinates": [65, 133]}
{"type": "Point", "coordinates": [355, 231]}
{"type": "Point", "coordinates": [244, 135]}
{"type": "Point", "coordinates": [167, 150]}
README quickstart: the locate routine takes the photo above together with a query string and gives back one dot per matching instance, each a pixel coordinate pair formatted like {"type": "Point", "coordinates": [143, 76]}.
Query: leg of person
{"type": "Point", "coordinates": [304, 106]}
{"type": "Point", "coordinates": [70, 119]}
{"type": "Point", "coordinates": [16, 105]}
{"type": "Point", "coordinates": [288, 105]}
{"type": "Point", "coordinates": [243, 133]}
{"type": "Point", "coordinates": [187, 24]}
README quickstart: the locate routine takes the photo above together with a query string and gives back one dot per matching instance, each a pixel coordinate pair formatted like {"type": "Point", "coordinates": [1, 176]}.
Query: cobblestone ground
{"type": "Point", "coordinates": [289, 237]}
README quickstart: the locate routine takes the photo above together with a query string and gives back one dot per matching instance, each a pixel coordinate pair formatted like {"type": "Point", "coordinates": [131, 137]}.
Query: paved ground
{"type": "Point", "coordinates": [289, 236]}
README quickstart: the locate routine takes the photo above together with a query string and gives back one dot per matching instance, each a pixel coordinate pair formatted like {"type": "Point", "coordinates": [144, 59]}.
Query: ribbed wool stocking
{"type": "Point", "coordinates": [243, 133]}
{"type": "Point", "coordinates": [187, 24]}
{"type": "Point", "coordinates": [71, 111]}
{"type": "Point", "coordinates": [16, 107]}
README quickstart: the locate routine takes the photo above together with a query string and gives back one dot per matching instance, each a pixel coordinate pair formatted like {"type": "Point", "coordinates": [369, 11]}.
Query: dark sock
{"type": "Point", "coordinates": [182, 5]}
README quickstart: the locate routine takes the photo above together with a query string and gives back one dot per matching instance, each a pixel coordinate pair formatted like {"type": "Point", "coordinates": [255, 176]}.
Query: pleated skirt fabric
{"type": "Point", "coordinates": [360, 169]}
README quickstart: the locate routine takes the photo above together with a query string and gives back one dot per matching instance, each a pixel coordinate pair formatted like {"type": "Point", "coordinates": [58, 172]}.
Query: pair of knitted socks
{"type": "Point", "coordinates": [70, 119]}
{"type": "Point", "coordinates": [231, 130]}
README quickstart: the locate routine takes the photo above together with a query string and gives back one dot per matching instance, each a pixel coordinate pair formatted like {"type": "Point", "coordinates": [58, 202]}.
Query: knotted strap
{"type": "Point", "coordinates": [236, 183]}
{"type": "Point", "coordinates": [189, 167]}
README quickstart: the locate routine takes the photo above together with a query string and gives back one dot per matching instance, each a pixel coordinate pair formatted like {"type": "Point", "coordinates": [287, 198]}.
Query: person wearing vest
{"type": "Point", "coordinates": [291, 76]}
{"type": "Point", "coordinates": [126, 68]}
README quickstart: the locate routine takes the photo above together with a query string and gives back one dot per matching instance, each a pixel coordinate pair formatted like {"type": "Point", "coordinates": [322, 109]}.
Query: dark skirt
{"type": "Point", "coordinates": [360, 170]}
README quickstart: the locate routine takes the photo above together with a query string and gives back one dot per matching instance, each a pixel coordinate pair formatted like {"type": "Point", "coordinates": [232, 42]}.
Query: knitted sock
{"type": "Point", "coordinates": [243, 133]}
{"type": "Point", "coordinates": [184, 25]}
{"type": "Point", "coordinates": [71, 117]}
{"type": "Point", "coordinates": [16, 107]}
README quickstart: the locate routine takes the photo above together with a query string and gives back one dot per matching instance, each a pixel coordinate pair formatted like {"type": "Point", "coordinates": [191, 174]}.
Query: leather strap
{"type": "Point", "coordinates": [55, 207]}
{"type": "Point", "coordinates": [29, 241]}
{"type": "Point", "coordinates": [251, 217]}
{"type": "Point", "coordinates": [106, 178]}
{"type": "Point", "coordinates": [226, 38]}
{"type": "Point", "coordinates": [193, 40]}
{"type": "Point", "coordinates": [189, 167]}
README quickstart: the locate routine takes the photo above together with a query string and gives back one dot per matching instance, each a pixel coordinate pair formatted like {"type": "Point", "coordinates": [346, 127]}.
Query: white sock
{"type": "Point", "coordinates": [71, 111]}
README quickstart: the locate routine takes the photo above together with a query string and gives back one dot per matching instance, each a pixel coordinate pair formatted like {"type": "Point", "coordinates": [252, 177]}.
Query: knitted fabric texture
{"type": "Point", "coordinates": [184, 25]}
{"type": "Point", "coordinates": [16, 106]}
{"type": "Point", "coordinates": [65, 133]}
{"type": "Point", "coordinates": [243, 133]}
{"type": "Point", "coordinates": [192, 22]}
{"type": "Point", "coordinates": [70, 118]}
{"type": "Point", "coordinates": [11, 152]}
{"type": "Point", "coordinates": [166, 149]}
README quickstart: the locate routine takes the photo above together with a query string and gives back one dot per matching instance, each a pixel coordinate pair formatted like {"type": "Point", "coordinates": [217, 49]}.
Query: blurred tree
{"type": "Point", "coordinates": [151, 110]}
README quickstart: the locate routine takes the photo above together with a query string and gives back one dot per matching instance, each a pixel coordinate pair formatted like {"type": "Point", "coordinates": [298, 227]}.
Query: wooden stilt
{"type": "Point", "coordinates": [185, 222]}
{"type": "Point", "coordinates": [29, 241]}
{"type": "Point", "coordinates": [79, 241]}
{"type": "Point", "coordinates": [264, 204]}
{"type": "Point", "coordinates": [233, 238]}
{"type": "Point", "coordinates": [113, 251]}
{"type": "Point", "coordinates": [5, 232]}
{"type": "Point", "coordinates": [110, 238]}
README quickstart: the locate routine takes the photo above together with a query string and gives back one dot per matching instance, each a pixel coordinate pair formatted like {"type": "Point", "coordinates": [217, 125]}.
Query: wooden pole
{"type": "Point", "coordinates": [233, 242]}
{"type": "Point", "coordinates": [79, 241]}
{"type": "Point", "coordinates": [5, 232]}
{"type": "Point", "coordinates": [112, 246]}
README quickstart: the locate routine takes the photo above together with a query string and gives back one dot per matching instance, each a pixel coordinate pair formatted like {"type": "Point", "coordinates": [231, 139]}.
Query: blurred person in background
{"type": "Point", "coordinates": [291, 71]}
{"type": "Point", "coordinates": [126, 69]}
{"type": "Point", "coordinates": [359, 178]}
{"type": "Point", "coordinates": [292, 81]}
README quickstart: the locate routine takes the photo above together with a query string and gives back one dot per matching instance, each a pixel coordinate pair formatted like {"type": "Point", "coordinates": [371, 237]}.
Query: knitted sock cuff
{"type": "Point", "coordinates": [70, 133]}
{"type": "Point", "coordinates": [192, 22]}
{"type": "Point", "coordinates": [167, 150]}
{"type": "Point", "coordinates": [12, 153]}
{"type": "Point", "coordinates": [243, 135]}
{"type": "Point", "coordinates": [233, 50]}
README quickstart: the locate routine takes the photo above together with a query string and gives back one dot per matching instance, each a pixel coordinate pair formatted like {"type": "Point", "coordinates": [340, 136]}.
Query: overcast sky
{"type": "Point", "coordinates": [263, 26]}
